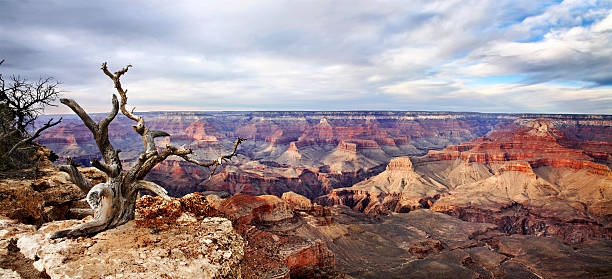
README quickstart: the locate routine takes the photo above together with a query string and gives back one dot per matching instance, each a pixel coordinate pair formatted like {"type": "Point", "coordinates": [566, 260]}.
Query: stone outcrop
{"type": "Point", "coordinates": [46, 196]}
{"type": "Point", "coordinates": [274, 246]}
{"type": "Point", "coordinates": [180, 238]}
{"type": "Point", "coordinates": [21, 202]}
{"type": "Point", "coordinates": [398, 189]}
{"type": "Point", "coordinates": [528, 144]}
{"type": "Point", "coordinates": [297, 201]}
{"type": "Point", "coordinates": [527, 177]}
{"type": "Point", "coordinates": [207, 248]}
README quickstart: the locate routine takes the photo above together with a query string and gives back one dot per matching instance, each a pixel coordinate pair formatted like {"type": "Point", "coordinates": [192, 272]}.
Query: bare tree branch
{"type": "Point", "coordinates": [151, 186]}
{"type": "Point", "coordinates": [103, 125]}
{"type": "Point", "coordinates": [213, 163]}
{"type": "Point", "coordinates": [103, 214]}
{"type": "Point", "coordinates": [122, 93]}
{"type": "Point", "coordinates": [89, 123]}
{"type": "Point", "coordinates": [27, 100]}
{"type": "Point", "coordinates": [77, 177]}
{"type": "Point", "coordinates": [112, 164]}
{"type": "Point", "coordinates": [81, 211]}
{"type": "Point", "coordinates": [48, 125]}
{"type": "Point", "coordinates": [102, 166]}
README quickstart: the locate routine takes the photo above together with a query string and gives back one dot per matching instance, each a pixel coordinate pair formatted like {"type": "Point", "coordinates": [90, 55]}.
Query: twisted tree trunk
{"type": "Point", "coordinates": [113, 202]}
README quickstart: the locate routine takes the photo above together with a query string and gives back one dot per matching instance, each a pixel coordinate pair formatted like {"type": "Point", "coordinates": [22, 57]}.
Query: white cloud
{"type": "Point", "coordinates": [352, 54]}
{"type": "Point", "coordinates": [573, 53]}
{"type": "Point", "coordinates": [510, 97]}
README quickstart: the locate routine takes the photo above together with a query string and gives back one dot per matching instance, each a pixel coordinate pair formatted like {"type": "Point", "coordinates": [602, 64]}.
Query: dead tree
{"type": "Point", "coordinates": [29, 139]}
{"type": "Point", "coordinates": [113, 202]}
{"type": "Point", "coordinates": [27, 100]}
{"type": "Point", "coordinates": [21, 102]}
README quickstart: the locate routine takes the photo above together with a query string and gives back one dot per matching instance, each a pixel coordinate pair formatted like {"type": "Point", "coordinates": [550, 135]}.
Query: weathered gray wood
{"type": "Point", "coordinates": [103, 213]}
{"type": "Point", "coordinates": [151, 186]}
{"type": "Point", "coordinates": [113, 202]}
{"type": "Point", "coordinates": [76, 176]}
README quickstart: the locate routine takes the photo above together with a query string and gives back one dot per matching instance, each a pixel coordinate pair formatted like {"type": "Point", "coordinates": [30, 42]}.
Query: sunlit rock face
{"type": "Point", "coordinates": [311, 153]}
{"type": "Point", "coordinates": [279, 242]}
{"type": "Point", "coordinates": [527, 177]}
{"type": "Point", "coordinates": [200, 248]}
{"type": "Point", "coordinates": [529, 144]}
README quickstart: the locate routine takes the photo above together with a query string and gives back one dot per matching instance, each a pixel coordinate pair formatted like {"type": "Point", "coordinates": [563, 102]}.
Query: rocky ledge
{"type": "Point", "coordinates": [172, 240]}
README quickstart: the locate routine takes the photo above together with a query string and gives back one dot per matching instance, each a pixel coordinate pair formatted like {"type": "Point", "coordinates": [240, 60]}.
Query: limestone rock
{"type": "Point", "coordinates": [9, 274]}
{"type": "Point", "coordinates": [297, 201]}
{"type": "Point", "coordinates": [56, 188]}
{"type": "Point", "coordinates": [265, 211]}
{"type": "Point", "coordinates": [47, 197]}
{"type": "Point", "coordinates": [208, 248]}
{"type": "Point", "coordinates": [10, 230]}
{"type": "Point", "coordinates": [276, 246]}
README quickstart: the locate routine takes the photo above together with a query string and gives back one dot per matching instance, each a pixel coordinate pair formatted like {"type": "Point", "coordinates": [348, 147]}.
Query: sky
{"type": "Point", "coordinates": [483, 56]}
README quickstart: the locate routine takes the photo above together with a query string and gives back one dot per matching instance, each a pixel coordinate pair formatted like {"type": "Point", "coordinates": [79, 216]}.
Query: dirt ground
{"type": "Point", "coordinates": [14, 260]}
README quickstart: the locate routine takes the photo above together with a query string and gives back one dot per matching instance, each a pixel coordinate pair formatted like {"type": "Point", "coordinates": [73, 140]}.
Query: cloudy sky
{"type": "Point", "coordinates": [486, 56]}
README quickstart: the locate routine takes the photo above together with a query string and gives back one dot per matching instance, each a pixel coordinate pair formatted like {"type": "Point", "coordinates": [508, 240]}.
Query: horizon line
{"type": "Point", "coordinates": [346, 111]}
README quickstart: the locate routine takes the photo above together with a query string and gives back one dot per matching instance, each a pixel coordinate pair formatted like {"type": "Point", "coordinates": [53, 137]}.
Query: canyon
{"type": "Point", "coordinates": [527, 177]}
{"type": "Point", "coordinates": [386, 194]}
{"type": "Point", "coordinates": [309, 153]}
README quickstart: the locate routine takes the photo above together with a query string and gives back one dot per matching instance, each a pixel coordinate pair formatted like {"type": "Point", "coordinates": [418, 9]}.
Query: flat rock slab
{"type": "Point", "coordinates": [207, 248]}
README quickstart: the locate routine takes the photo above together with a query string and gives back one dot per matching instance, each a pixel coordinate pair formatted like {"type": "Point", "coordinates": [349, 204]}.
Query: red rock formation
{"type": "Point", "coordinates": [297, 201]}
{"type": "Point", "coordinates": [257, 219]}
{"type": "Point", "coordinates": [526, 177]}
{"type": "Point", "coordinates": [536, 142]}
{"type": "Point", "coordinates": [339, 148]}
{"type": "Point", "coordinates": [293, 147]}
{"type": "Point", "coordinates": [347, 147]}
{"type": "Point", "coordinates": [196, 130]}
{"type": "Point", "coordinates": [359, 200]}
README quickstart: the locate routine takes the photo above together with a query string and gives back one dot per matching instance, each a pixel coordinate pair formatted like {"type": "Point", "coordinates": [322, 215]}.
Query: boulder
{"type": "Point", "coordinates": [266, 211]}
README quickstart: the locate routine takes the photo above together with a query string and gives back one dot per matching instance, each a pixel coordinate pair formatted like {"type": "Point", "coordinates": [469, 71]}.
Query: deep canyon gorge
{"type": "Point", "coordinates": [385, 194]}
